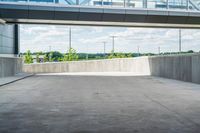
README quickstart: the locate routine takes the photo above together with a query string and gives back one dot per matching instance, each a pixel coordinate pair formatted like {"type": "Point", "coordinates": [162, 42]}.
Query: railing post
{"type": "Point", "coordinates": [187, 4]}
{"type": "Point", "coordinates": [167, 4]}
{"type": "Point", "coordinates": [124, 3]}
{"type": "Point", "coordinates": [77, 2]}
{"type": "Point", "coordinates": [144, 2]}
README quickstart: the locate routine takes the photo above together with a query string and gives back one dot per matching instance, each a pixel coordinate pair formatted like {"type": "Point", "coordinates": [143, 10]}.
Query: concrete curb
{"type": "Point", "coordinates": [15, 80]}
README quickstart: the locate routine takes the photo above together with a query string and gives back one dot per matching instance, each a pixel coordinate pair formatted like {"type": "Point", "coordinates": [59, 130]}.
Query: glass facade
{"type": "Point", "coordinates": [151, 4]}
{"type": "Point", "coordinates": [7, 39]}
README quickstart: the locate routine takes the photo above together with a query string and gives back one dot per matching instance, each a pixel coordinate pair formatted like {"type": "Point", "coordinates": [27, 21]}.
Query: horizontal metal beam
{"type": "Point", "coordinates": [108, 24]}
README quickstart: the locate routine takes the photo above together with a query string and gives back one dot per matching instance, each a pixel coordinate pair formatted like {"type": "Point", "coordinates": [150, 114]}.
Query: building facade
{"type": "Point", "coordinates": [10, 64]}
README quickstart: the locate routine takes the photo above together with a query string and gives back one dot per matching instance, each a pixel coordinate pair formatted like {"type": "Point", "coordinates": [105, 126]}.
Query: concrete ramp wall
{"type": "Point", "coordinates": [138, 66]}
{"type": "Point", "coordinates": [180, 67]}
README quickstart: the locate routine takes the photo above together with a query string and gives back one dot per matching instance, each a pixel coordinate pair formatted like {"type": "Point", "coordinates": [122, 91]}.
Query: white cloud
{"type": "Point", "coordinates": [85, 38]}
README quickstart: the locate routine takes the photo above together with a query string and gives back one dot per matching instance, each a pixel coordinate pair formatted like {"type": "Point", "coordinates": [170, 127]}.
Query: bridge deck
{"type": "Point", "coordinates": [86, 15]}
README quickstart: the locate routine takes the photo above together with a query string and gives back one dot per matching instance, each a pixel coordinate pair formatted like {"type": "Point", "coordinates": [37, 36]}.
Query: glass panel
{"type": "Point", "coordinates": [14, 0]}
{"type": "Point", "coordinates": [67, 2]}
{"type": "Point", "coordinates": [42, 1]}
{"type": "Point", "coordinates": [134, 3]}
{"type": "Point", "coordinates": [160, 4]}
{"type": "Point", "coordinates": [91, 2]}
{"type": "Point", "coordinates": [178, 4]}
{"type": "Point", "coordinates": [115, 3]}
{"type": "Point", "coordinates": [194, 5]}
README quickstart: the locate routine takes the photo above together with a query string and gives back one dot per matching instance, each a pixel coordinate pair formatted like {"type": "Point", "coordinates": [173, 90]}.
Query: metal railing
{"type": "Point", "coordinates": [151, 4]}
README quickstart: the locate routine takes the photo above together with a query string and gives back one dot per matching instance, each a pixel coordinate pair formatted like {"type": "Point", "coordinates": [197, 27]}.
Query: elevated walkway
{"type": "Point", "coordinates": [16, 12]}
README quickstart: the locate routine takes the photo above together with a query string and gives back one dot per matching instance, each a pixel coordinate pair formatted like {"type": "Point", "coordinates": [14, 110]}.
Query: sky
{"type": "Point", "coordinates": [90, 39]}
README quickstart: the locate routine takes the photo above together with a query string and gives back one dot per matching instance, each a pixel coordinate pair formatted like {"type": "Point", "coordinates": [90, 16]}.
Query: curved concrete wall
{"type": "Point", "coordinates": [180, 67]}
{"type": "Point", "coordinates": [139, 66]}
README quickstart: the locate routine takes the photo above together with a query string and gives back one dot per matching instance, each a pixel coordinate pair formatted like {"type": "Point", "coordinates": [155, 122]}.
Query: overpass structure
{"type": "Point", "coordinates": [143, 13]}
{"type": "Point", "coordinates": [147, 13]}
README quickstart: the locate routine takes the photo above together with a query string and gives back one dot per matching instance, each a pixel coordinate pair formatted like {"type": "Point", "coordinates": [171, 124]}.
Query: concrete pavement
{"type": "Point", "coordinates": [16, 77]}
{"type": "Point", "coordinates": [87, 104]}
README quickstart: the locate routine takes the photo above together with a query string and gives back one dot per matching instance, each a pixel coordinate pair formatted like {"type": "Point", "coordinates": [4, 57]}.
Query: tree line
{"type": "Point", "coordinates": [72, 55]}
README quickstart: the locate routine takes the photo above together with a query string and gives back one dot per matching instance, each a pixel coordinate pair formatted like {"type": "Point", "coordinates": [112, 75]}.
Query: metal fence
{"type": "Point", "coordinates": [150, 4]}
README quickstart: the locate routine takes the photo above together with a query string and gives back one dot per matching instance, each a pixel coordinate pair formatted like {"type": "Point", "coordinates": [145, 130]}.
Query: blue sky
{"type": "Point", "coordinates": [89, 39]}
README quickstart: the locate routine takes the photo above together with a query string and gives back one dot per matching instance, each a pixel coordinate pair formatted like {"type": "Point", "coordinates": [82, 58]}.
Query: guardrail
{"type": "Point", "coordinates": [150, 4]}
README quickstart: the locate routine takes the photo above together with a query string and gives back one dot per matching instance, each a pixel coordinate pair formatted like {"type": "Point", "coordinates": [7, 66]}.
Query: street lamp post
{"type": "Point", "coordinates": [87, 52]}
{"type": "Point", "coordinates": [138, 50]}
{"type": "Point", "coordinates": [113, 43]}
{"type": "Point", "coordinates": [180, 40]}
{"type": "Point", "coordinates": [50, 48]}
{"type": "Point", "coordinates": [104, 48]}
{"type": "Point", "coordinates": [70, 38]}
{"type": "Point", "coordinates": [158, 50]}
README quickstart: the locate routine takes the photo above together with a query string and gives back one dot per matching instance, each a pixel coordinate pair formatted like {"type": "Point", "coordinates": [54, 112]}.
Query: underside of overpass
{"type": "Point", "coordinates": [137, 13]}
{"type": "Point", "coordinates": [94, 16]}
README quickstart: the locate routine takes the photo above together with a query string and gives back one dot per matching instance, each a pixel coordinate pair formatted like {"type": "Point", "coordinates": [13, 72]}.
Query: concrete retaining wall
{"type": "Point", "coordinates": [180, 67]}
{"type": "Point", "coordinates": [139, 66]}
{"type": "Point", "coordinates": [10, 66]}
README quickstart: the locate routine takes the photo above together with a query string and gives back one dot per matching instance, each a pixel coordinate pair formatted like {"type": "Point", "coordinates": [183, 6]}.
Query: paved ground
{"type": "Point", "coordinates": [7, 80]}
{"type": "Point", "coordinates": [87, 104]}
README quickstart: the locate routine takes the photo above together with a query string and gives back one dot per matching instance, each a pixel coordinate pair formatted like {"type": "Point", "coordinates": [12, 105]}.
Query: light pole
{"type": "Point", "coordinates": [50, 48]}
{"type": "Point", "coordinates": [87, 52]}
{"type": "Point", "coordinates": [104, 48]}
{"type": "Point", "coordinates": [113, 43]}
{"type": "Point", "coordinates": [180, 40]}
{"type": "Point", "coordinates": [138, 50]}
{"type": "Point", "coordinates": [158, 50]}
{"type": "Point", "coordinates": [70, 38]}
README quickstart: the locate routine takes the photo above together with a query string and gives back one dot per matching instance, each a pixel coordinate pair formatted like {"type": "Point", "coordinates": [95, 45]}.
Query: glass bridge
{"type": "Point", "coordinates": [193, 5]}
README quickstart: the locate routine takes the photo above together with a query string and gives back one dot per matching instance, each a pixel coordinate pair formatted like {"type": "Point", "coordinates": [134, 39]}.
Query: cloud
{"type": "Point", "coordinates": [89, 39]}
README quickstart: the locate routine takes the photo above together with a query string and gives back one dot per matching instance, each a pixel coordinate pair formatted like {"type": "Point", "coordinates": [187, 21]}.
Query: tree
{"type": "Point", "coordinates": [28, 57]}
{"type": "Point", "coordinates": [46, 58]}
{"type": "Point", "coordinates": [129, 55]}
{"type": "Point", "coordinates": [71, 56]}
{"type": "Point", "coordinates": [112, 55]}
{"type": "Point", "coordinates": [120, 55]}
{"type": "Point", "coordinates": [190, 51]}
{"type": "Point", "coordinates": [116, 55]}
{"type": "Point", "coordinates": [38, 58]}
